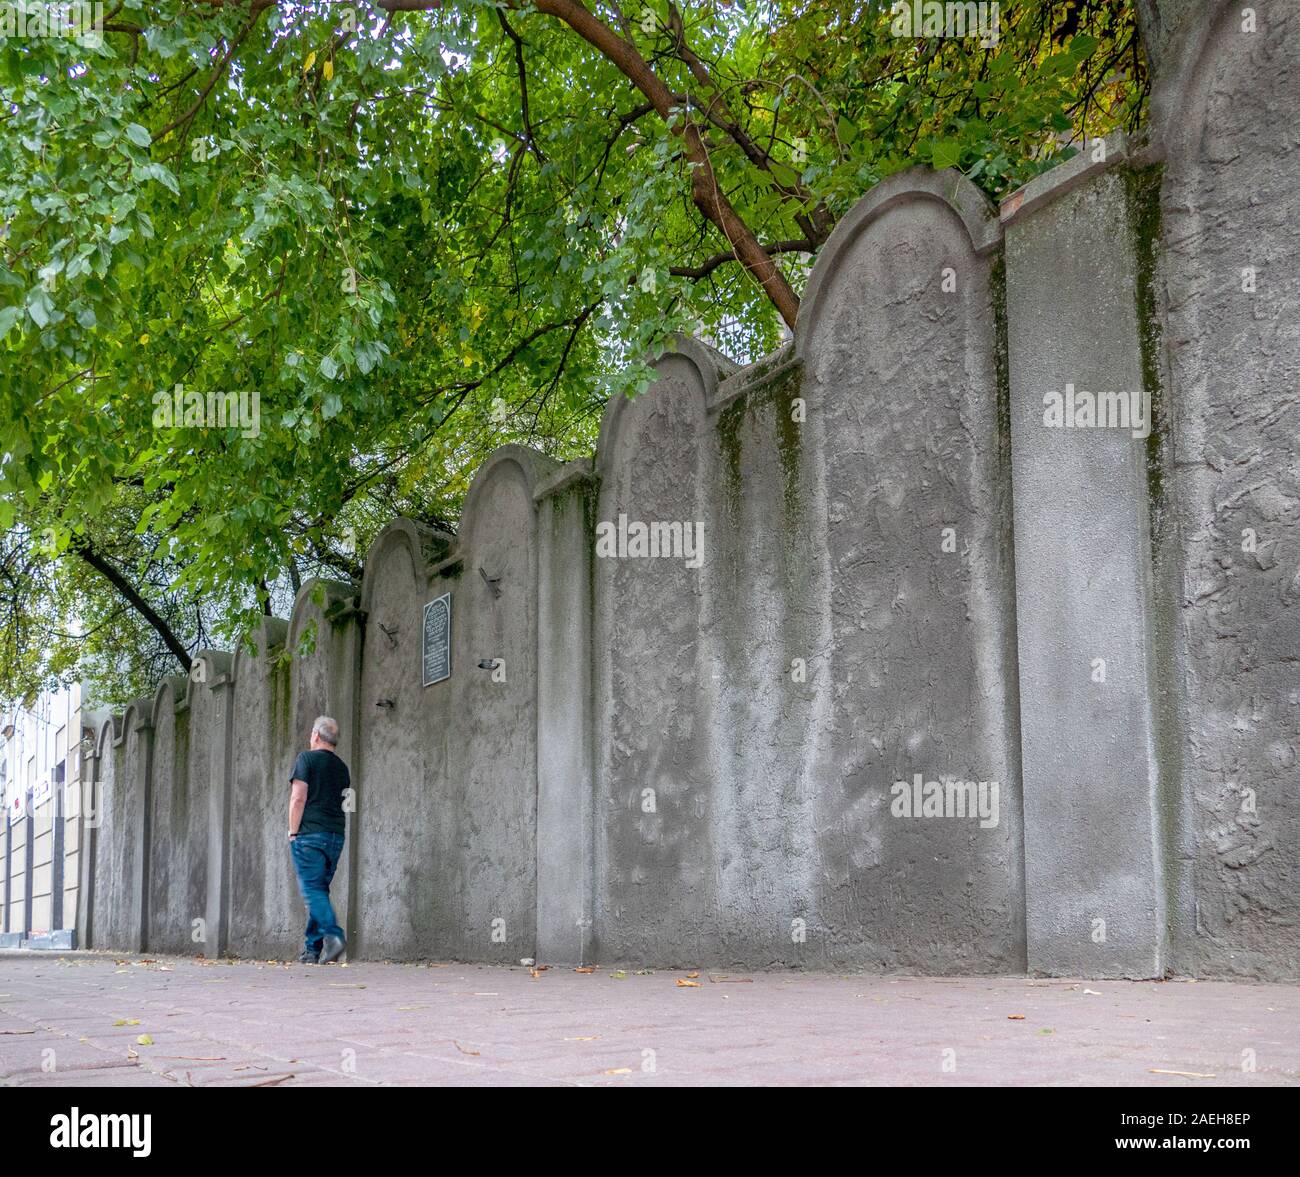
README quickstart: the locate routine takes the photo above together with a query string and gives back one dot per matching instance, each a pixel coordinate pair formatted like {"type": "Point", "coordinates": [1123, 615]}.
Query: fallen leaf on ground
{"type": "Point", "coordinates": [144, 1040]}
{"type": "Point", "coordinates": [585, 969]}
{"type": "Point", "coordinates": [694, 973]}
{"type": "Point", "coordinates": [127, 1022]}
{"type": "Point", "coordinates": [618, 975]}
{"type": "Point", "coordinates": [535, 973]}
{"type": "Point", "coordinates": [462, 1049]}
{"type": "Point", "coordinates": [345, 985]}
{"type": "Point", "coordinates": [588, 1038]}
{"type": "Point", "coordinates": [620, 1071]}
{"type": "Point", "coordinates": [272, 1082]}
{"type": "Point", "coordinates": [1015, 1017]}
{"type": "Point", "coordinates": [1184, 1074]}
{"type": "Point", "coordinates": [685, 984]}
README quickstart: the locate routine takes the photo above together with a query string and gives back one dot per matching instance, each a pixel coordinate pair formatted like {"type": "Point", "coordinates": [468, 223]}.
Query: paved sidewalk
{"type": "Point", "coordinates": [75, 1020]}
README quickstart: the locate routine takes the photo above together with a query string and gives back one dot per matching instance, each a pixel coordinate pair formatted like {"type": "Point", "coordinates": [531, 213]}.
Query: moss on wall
{"type": "Point", "coordinates": [1145, 225]}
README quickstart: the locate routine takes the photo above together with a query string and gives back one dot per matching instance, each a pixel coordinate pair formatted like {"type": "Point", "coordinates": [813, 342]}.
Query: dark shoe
{"type": "Point", "coordinates": [331, 949]}
{"type": "Point", "coordinates": [305, 957]}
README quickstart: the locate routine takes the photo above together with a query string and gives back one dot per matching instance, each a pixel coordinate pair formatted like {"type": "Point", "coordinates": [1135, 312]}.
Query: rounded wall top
{"type": "Point", "coordinates": [425, 544]}
{"type": "Point", "coordinates": [949, 187]}
{"type": "Point", "coordinates": [110, 732]}
{"type": "Point", "coordinates": [333, 593]}
{"type": "Point", "coordinates": [532, 465]}
{"type": "Point", "coordinates": [710, 366]}
{"type": "Point", "coordinates": [270, 632]}
{"type": "Point", "coordinates": [214, 664]}
{"type": "Point", "coordinates": [1181, 86]}
{"type": "Point", "coordinates": [173, 689]}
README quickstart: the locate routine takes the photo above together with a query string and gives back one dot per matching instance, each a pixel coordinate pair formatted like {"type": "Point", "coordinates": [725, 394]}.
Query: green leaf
{"type": "Point", "coordinates": [944, 153]}
{"type": "Point", "coordinates": [138, 135]}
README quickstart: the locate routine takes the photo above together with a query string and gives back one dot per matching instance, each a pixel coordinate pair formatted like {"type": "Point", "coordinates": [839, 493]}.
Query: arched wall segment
{"type": "Point", "coordinates": [178, 847]}
{"type": "Point", "coordinates": [948, 189]}
{"type": "Point", "coordinates": [915, 578]}
{"type": "Point", "coordinates": [122, 836]}
{"type": "Point", "coordinates": [395, 812]}
{"type": "Point", "coordinates": [761, 617]}
{"type": "Point", "coordinates": [655, 883]}
{"type": "Point", "coordinates": [1230, 273]}
{"type": "Point", "coordinates": [265, 912]}
{"type": "Point", "coordinates": [99, 833]}
{"type": "Point", "coordinates": [449, 770]}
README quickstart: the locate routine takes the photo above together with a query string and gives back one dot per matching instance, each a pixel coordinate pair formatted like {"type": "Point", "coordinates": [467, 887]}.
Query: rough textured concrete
{"type": "Point", "coordinates": [395, 817]}
{"type": "Point", "coordinates": [447, 807]}
{"type": "Point", "coordinates": [565, 804]}
{"type": "Point", "coordinates": [266, 912]}
{"type": "Point", "coordinates": [220, 1024]}
{"type": "Point", "coordinates": [177, 875]}
{"type": "Point", "coordinates": [655, 870]}
{"type": "Point", "coordinates": [1093, 881]}
{"type": "Point", "coordinates": [1228, 117]}
{"type": "Point", "coordinates": [117, 866]}
{"type": "Point", "coordinates": [916, 657]}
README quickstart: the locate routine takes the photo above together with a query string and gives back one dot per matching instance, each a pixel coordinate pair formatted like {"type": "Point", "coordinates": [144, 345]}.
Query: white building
{"type": "Point", "coordinates": [41, 752]}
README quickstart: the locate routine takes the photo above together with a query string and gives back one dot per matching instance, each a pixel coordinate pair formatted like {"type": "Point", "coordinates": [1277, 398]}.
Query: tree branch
{"type": "Point", "coordinates": [705, 190]}
{"type": "Point", "coordinates": [86, 550]}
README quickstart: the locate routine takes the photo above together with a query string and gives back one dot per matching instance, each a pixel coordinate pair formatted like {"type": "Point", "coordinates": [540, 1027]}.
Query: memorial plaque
{"type": "Point", "coordinates": [437, 640]}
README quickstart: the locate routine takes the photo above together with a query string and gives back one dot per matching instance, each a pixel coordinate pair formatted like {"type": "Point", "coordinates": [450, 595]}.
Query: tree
{"type": "Point", "coordinates": [416, 232]}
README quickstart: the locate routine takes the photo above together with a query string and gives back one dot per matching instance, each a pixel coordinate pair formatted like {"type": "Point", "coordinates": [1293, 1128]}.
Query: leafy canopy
{"type": "Point", "coordinates": [416, 235]}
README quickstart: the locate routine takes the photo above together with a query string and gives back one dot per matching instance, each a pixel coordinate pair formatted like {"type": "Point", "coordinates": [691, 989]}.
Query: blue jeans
{"type": "Point", "coordinates": [315, 858]}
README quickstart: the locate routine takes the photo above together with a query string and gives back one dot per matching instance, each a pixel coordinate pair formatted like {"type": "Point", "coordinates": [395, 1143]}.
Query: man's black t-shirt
{"type": "Point", "coordinates": [327, 778]}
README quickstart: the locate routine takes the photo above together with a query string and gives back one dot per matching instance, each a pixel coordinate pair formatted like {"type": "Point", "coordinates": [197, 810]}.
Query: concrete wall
{"type": "Point", "coordinates": [117, 911]}
{"type": "Point", "coordinates": [1225, 119]}
{"type": "Point", "coordinates": [177, 875]}
{"type": "Point", "coordinates": [908, 574]}
{"type": "Point", "coordinates": [447, 805]}
{"type": "Point", "coordinates": [901, 376]}
{"type": "Point", "coordinates": [1096, 900]}
{"type": "Point", "coordinates": [263, 895]}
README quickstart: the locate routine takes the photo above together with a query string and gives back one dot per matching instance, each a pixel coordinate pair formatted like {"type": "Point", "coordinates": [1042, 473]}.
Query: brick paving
{"type": "Point", "coordinates": [74, 1020]}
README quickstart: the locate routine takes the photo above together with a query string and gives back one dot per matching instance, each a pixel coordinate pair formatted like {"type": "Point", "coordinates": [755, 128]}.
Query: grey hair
{"type": "Point", "coordinates": [327, 729]}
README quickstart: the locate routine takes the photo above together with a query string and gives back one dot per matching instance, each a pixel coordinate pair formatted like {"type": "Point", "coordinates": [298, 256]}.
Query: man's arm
{"type": "Point", "coordinates": [297, 803]}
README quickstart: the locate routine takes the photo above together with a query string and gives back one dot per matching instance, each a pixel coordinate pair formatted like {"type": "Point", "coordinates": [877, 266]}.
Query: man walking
{"type": "Point", "coordinates": [319, 780]}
